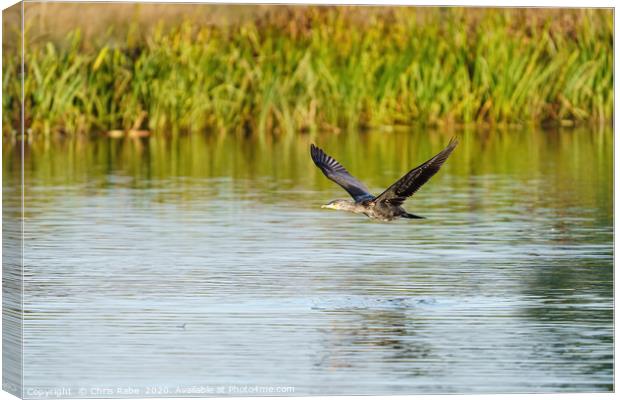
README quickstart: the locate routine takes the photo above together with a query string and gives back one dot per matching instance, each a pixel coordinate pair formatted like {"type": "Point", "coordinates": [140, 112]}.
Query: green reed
{"type": "Point", "coordinates": [323, 69]}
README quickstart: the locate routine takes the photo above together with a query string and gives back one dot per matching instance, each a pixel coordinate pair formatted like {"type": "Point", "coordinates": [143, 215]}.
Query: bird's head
{"type": "Point", "coordinates": [338, 205]}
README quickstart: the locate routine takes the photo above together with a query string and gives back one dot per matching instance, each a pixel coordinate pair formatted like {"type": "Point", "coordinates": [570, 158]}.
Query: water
{"type": "Point", "coordinates": [202, 266]}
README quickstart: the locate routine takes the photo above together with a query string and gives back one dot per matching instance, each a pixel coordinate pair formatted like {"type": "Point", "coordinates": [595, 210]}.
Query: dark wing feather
{"type": "Point", "coordinates": [414, 179]}
{"type": "Point", "coordinates": [337, 173]}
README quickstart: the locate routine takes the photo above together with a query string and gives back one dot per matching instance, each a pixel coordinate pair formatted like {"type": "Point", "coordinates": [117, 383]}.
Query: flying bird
{"type": "Point", "coordinates": [388, 205]}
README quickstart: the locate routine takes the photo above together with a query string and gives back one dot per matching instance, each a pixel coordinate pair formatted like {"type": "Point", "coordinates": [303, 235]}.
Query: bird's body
{"type": "Point", "coordinates": [371, 209]}
{"type": "Point", "coordinates": [388, 205]}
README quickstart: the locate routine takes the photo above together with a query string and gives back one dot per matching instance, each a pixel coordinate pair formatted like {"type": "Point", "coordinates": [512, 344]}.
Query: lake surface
{"type": "Point", "coordinates": [205, 265]}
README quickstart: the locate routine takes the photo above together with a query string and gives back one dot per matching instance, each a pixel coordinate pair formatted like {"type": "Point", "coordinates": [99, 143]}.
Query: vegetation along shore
{"type": "Point", "coordinates": [295, 69]}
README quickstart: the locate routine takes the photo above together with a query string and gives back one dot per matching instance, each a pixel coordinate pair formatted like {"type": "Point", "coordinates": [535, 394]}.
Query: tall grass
{"type": "Point", "coordinates": [317, 68]}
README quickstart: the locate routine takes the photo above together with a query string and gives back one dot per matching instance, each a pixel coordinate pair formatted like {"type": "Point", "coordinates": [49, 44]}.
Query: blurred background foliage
{"type": "Point", "coordinates": [256, 70]}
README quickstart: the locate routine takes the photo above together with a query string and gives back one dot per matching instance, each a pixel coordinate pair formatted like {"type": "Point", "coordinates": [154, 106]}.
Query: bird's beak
{"type": "Point", "coordinates": [327, 206]}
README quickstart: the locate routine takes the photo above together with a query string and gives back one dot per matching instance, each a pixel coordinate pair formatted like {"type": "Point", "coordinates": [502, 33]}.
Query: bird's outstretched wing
{"type": "Point", "coordinates": [414, 179]}
{"type": "Point", "coordinates": [337, 173]}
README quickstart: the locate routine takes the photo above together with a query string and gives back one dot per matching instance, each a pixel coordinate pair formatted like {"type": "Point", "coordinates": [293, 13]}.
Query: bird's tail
{"type": "Point", "coordinates": [411, 216]}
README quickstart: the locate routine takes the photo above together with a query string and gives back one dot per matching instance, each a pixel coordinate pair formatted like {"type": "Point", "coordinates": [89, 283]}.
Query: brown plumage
{"type": "Point", "coordinates": [388, 205]}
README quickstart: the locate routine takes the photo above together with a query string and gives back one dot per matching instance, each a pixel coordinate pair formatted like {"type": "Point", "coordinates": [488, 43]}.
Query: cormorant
{"type": "Point", "coordinates": [388, 205]}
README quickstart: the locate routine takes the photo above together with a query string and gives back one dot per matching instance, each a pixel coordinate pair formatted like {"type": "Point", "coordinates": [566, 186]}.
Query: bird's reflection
{"type": "Point", "coordinates": [358, 338]}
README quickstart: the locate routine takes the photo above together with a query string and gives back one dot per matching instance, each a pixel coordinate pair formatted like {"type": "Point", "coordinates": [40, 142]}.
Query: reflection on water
{"type": "Point", "coordinates": [207, 261]}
